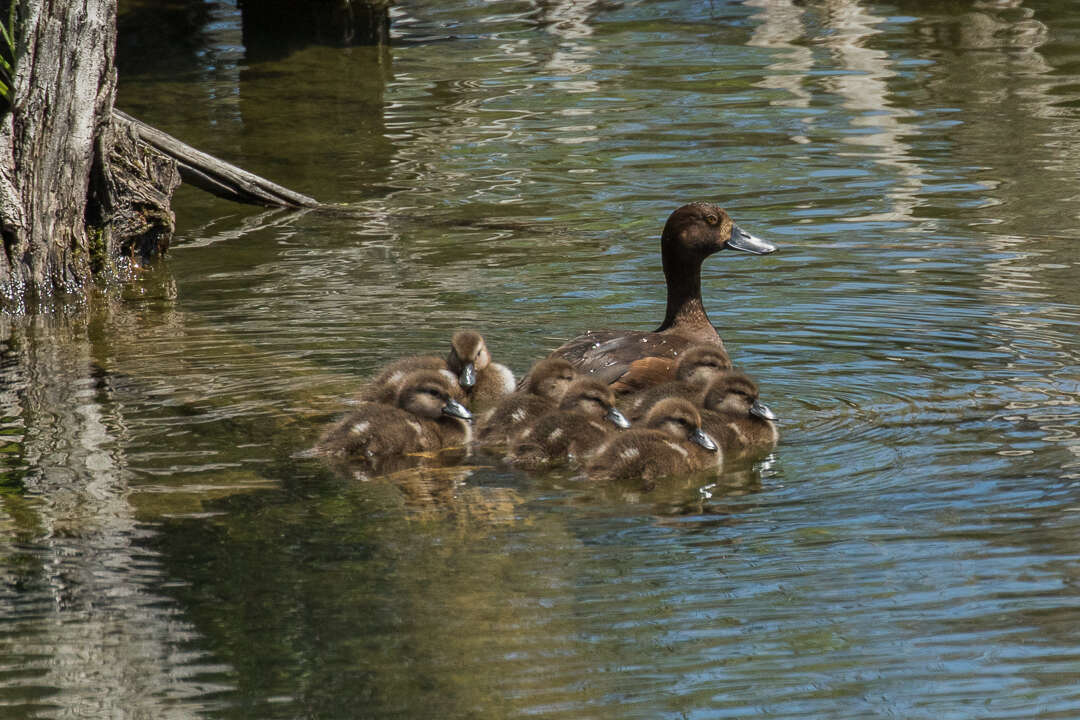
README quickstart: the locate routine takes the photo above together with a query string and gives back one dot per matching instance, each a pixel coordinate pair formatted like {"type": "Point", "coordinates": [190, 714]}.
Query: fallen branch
{"type": "Point", "coordinates": [213, 175]}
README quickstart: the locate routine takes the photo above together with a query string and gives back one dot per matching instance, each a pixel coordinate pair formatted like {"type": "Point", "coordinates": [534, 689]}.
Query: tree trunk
{"type": "Point", "coordinates": [77, 195]}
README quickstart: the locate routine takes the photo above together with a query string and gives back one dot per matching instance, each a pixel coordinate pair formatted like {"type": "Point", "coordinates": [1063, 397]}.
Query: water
{"type": "Point", "coordinates": [908, 551]}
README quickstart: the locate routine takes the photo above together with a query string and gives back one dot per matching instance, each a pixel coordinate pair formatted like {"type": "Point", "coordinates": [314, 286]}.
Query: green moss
{"type": "Point", "coordinates": [7, 58]}
{"type": "Point", "coordinates": [99, 250]}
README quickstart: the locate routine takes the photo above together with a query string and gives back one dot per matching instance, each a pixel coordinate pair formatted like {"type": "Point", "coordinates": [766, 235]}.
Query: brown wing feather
{"type": "Point", "coordinates": [645, 373]}
{"type": "Point", "coordinates": [612, 355]}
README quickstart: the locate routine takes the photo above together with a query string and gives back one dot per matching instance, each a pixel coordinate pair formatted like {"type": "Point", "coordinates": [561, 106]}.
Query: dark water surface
{"type": "Point", "coordinates": [912, 548]}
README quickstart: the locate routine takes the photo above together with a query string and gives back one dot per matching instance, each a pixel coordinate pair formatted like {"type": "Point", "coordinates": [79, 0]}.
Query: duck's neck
{"type": "Point", "coordinates": [685, 311]}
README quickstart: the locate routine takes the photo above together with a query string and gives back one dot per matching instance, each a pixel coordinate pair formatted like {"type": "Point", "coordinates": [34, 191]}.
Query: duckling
{"type": "Point", "coordinates": [631, 360]}
{"type": "Point", "coordinates": [384, 387]}
{"type": "Point", "coordinates": [694, 369]}
{"type": "Point", "coordinates": [735, 417]}
{"type": "Point", "coordinates": [573, 432]}
{"type": "Point", "coordinates": [424, 416]}
{"type": "Point", "coordinates": [480, 381]}
{"type": "Point", "coordinates": [548, 381]}
{"type": "Point", "coordinates": [671, 442]}
{"type": "Point", "coordinates": [484, 382]}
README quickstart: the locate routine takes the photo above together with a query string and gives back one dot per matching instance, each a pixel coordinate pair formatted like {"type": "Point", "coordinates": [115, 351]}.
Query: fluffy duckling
{"type": "Point", "coordinates": [735, 417]}
{"type": "Point", "coordinates": [481, 382]}
{"type": "Point", "coordinates": [573, 432]}
{"type": "Point", "coordinates": [424, 416]}
{"type": "Point", "coordinates": [546, 386]}
{"type": "Point", "coordinates": [671, 442]}
{"type": "Point", "coordinates": [693, 371]}
{"type": "Point", "coordinates": [484, 382]}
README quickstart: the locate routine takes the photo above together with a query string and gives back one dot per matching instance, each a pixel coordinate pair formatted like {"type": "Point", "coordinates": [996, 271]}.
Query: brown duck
{"type": "Point", "coordinates": [669, 442]}
{"type": "Point", "coordinates": [481, 382]}
{"type": "Point", "coordinates": [424, 416]}
{"type": "Point", "coordinates": [583, 421]}
{"type": "Point", "coordinates": [630, 360]}
{"type": "Point", "coordinates": [693, 371]}
{"type": "Point", "coordinates": [743, 426]}
{"type": "Point", "coordinates": [546, 386]}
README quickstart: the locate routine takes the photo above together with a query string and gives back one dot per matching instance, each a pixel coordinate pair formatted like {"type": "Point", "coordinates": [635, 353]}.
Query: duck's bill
{"type": "Point", "coordinates": [762, 411]}
{"type": "Point", "coordinates": [455, 409]}
{"type": "Point", "coordinates": [467, 378]}
{"type": "Point", "coordinates": [617, 419]}
{"type": "Point", "coordinates": [702, 438]}
{"type": "Point", "coordinates": [742, 240]}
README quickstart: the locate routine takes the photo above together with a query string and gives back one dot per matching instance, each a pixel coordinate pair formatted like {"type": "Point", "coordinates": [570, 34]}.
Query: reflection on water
{"type": "Point", "coordinates": [909, 549]}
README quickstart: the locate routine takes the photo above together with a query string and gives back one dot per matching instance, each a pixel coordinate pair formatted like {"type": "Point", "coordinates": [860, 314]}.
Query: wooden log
{"type": "Point", "coordinates": [214, 175]}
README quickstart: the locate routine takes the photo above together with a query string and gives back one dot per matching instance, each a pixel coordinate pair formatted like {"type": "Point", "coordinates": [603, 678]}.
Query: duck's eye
{"type": "Point", "coordinates": [711, 219]}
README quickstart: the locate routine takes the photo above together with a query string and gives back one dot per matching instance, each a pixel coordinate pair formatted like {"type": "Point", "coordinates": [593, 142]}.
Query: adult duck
{"type": "Point", "coordinates": [630, 360]}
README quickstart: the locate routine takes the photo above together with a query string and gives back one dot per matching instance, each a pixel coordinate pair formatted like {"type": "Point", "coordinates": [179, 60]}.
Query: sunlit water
{"type": "Point", "coordinates": [911, 548]}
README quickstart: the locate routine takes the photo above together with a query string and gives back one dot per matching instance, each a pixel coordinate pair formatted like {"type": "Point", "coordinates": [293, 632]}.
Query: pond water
{"type": "Point", "coordinates": [910, 550]}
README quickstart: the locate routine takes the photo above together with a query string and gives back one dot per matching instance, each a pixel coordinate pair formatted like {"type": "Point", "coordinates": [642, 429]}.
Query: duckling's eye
{"type": "Point", "coordinates": [711, 219]}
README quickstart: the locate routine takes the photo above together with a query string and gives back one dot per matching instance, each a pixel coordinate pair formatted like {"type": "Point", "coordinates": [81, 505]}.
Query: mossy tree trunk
{"type": "Point", "coordinates": [78, 194]}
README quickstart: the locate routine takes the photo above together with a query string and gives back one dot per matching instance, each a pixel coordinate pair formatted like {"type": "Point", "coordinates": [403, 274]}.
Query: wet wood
{"type": "Point", "coordinates": [213, 174]}
{"type": "Point", "coordinates": [64, 85]}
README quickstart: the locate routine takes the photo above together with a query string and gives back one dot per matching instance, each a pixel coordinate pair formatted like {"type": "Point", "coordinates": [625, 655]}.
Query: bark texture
{"type": "Point", "coordinates": [76, 192]}
{"type": "Point", "coordinates": [63, 93]}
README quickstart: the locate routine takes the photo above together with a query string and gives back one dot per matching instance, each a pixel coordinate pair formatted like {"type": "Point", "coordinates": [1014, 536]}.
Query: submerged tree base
{"type": "Point", "coordinates": [84, 188]}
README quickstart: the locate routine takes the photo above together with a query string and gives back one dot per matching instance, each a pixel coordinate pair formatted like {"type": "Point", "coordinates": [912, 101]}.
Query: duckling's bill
{"type": "Point", "coordinates": [456, 409]}
{"type": "Point", "coordinates": [617, 419]}
{"type": "Point", "coordinates": [703, 439]}
{"type": "Point", "coordinates": [761, 410]}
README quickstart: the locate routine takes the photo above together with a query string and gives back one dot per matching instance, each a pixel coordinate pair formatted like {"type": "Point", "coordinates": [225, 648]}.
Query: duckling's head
{"type": "Point", "coordinates": [733, 391]}
{"type": "Point", "coordinates": [699, 229]}
{"type": "Point", "coordinates": [468, 355]}
{"type": "Point", "coordinates": [702, 363]}
{"type": "Point", "coordinates": [550, 378]}
{"type": "Point", "coordinates": [430, 394]}
{"type": "Point", "coordinates": [594, 399]}
{"type": "Point", "coordinates": [679, 419]}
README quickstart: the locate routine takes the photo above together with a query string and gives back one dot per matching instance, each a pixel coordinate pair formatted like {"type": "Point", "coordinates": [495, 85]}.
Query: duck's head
{"type": "Point", "coordinates": [701, 363]}
{"type": "Point", "coordinates": [430, 394]}
{"type": "Point", "coordinates": [550, 378]}
{"type": "Point", "coordinates": [679, 419]}
{"type": "Point", "coordinates": [595, 399]}
{"type": "Point", "coordinates": [734, 392]}
{"type": "Point", "coordinates": [468, 355]}
{"type": "Point", "coordinates": [699, 229]}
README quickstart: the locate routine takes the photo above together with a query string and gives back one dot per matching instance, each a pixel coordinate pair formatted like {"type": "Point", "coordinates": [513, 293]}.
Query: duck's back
{"type": "Point", "coordinates": [630, 360]}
